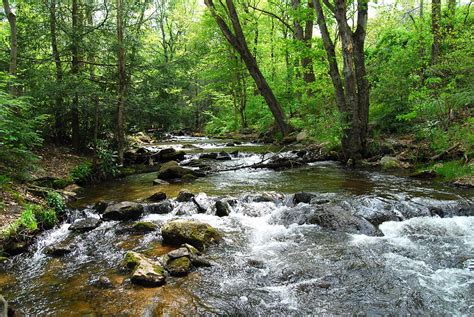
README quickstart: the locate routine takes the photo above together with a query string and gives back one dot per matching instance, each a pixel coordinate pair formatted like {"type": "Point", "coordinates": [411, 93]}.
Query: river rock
{"type": "Point", "coordinates": [100, 206]}
{"type": "Point", "coordinates": [223, 156]}
{"type": "Point", "coordinates": [199, 235]}
{"type": "Point", "coordinates": [211, 156]}
{"type": "Point", "coordinates": [159, 182]}
{"type": "Point", "coordinates": [222, 208]}
{"type": "Point", "coordinates": [336, 218]}
{"type": "Point", "coordinates": [164, 207]}
{"type": "Point", "coordinates": [171, 154]}
{"type": "Point", "coordinates": [123, 211]}
{"type": "Point", "coordinates": [172, 170]}
{"type": "Point", "coordinates": [86, 224]}
{"type": "Point", "coordinates": [179, 266]}
{"type": "Point", "coordinates": [178, 253]}
{"type": "Point", "coordinates": [390, 162]}
{"type": "Point", "coordinates": [58, 250]}
{"type": "Point", "coordinates": [303, 197]}
{"type": "Point", "coordinates": [188, 178]}
{"type": "Point", "coordinates": [144, 272]}
{"type": "Point", "coordinates": [184, 196]}
{"type": "Point", "coordinates": [144, 227]}
{"type": "Point", "coordinates": [103, 282]}
{"type": "Point", "coordinates": [157, 197]}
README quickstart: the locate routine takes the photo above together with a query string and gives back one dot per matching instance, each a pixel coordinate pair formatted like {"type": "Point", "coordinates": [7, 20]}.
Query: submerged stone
{"type": "Point", "coordinates": [123, 211]}
{"type": "Point", "coordinates": [199, 235]}
{"type": "Point", "coordinates": [157, 197]}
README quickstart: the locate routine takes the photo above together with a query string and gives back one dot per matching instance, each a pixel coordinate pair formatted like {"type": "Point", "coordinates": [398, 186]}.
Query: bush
{"type": "Point", "coordinates": [453, 169]}
{"type": "Point", "coordinates": [56, 202]}
{"type": "Point", "coordinates": [82, 173]}
{"type": "Point", "coordinates": [46, 218]}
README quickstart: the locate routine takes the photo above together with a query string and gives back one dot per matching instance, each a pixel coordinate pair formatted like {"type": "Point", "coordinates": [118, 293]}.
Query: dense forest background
{"type": "Point", "coordinates": [87, 73]}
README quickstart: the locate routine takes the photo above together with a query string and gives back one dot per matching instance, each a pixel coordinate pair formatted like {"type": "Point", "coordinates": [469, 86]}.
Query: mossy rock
{"type": "Point", "coordinates": [171, 170]}
{"type": "Point", "coordinates": [189, 178]}
{"type": "Point", "coordinates": [199, 235]}
{"type": "Point", "coordinates": [131, 260]}
{"type": "Point", "coordinates": [179, 267]}
{"type": "Point", "coordinates": [144, 226]}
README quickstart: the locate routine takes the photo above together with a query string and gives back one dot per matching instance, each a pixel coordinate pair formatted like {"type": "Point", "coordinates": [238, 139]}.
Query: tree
{"type": "Point", "coordinates": [435, 30]}
{"type": "Point", "coordinates": [237, 40]}
{"type": "Point", "coordinates": [352, 91]}
{"type": "Point", "coordinates": [122, 77]}
{"type": "Point", "coordinates": [13, 44]}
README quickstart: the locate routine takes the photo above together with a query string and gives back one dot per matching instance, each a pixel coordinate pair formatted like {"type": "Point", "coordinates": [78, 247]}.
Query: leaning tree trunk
{"type": "Point", "coordinates": [13, 44]}
{"type": "Point", "coordinates": [120, 132]}
{"type": "Point", "coordinates": [239, 43]}
{"type": "Point", "coordinates": [75, 67]}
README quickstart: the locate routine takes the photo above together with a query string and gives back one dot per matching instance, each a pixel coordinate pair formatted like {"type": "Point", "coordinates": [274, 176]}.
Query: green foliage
{"type": "Point", "coordinates": [453, 169]}
{"type": "Point", "coordinates": [107, 166]}
{"type": "Point", "coordinates": [27, 219]}
{"type": "Point", "coordinates": [56, 201]}
{"type": "Point", "coordinates": [45, 217]}
{"type": "Point", "coordinates": [82, 173]}
{"type": "Point", "coordinates": [18, 134]}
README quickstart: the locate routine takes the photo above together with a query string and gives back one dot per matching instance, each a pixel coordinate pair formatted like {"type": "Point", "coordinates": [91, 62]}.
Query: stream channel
{"type": "Point", "coordinates": [272, 260]}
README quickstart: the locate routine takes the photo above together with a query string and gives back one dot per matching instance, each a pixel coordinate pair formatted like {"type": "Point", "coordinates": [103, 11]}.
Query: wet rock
{"type": "Point", "coordinates": [164, 207]}
{"type": "Point", "coordinates": [188, 178]}
{"type": "Point", "coordinates": [200, 209]}
{"type": "Point", "coordinates": [390, 162]}
{"type": "Point", "coordinates": [179, 266]}
{"type": "Point", "coordinates": [157, 197]}
{"type": "Point", "coordinates": [267, 197]}
{"type": "Point", "coordinates": [178, 253]}
{"type": "Point", "coordinates": [184, 196]}
{"type": "Point", "coordinates": [144, 272]}
{"type": "Point", "coordinates": [100, 206]}
{"type": "Point", "coordinates": [211, 156]}
{"type": "Point", "coordinates": [171, 170]}
{"type": "Point", "coordinates": [256, 263]}
{"type": "Point", "coordinates": [103, 282]}
{"type": "Point", "coordinates": [123, 211]}
{"type": "Point", "coordinates": [159, 182]}
{"type": "Point", "coordinates": [58, 250]}
{"type": "Point", "coordinates": [222, 208]}
{"type": "Point", "coordinates": [144, 226]}
{"type": "Point", "coordinates": [86, 224]}
{"type": "Point", "coordinates": [436, 211]}
{"type": "Point", "coordinates": [223, 156]}
{"type": "Point", "coordinates": [171, 154]}
{"type": "Point", "coordinates": [199, 235]}
{"type": "Point", "coordinates": [426, 174]}
{"type": "Point", "coordinates": [13, 247]}
{"type": "Point", "coordinates": [336, 218]}
{"type": "Point", "coordinates": [303, 197]}
{"type": "Point", "coordinates": [230, 144]}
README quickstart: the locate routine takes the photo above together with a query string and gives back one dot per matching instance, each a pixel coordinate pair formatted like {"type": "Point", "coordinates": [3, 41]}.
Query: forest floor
{"type": "Point", "coordinates": [55, 162]}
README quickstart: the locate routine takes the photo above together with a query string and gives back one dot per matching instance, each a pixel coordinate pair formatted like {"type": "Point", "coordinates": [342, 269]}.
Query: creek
{"type": "Point", "coordinates": [271, 261]}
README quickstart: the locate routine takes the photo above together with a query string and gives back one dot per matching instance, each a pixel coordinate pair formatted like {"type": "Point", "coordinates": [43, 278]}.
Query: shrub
{"type": "Point", "coordinates": [46, 218]}
{"type": "Point", "coordinates": [82, 173]}
{"type": "Point", "coordinates": [56, 202]}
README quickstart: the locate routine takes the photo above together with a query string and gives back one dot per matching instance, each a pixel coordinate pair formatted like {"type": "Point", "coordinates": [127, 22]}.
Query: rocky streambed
{"type": "Point", "coordinates": [314, 239]}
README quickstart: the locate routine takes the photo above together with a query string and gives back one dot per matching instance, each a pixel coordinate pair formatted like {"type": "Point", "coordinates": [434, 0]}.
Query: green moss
{"type": "Point", "coordinates": [131, 261]}
{"type": "Point", "coordinates": [62, 183]}
{"type": "Point", "coordinates": [144, 226]}
{"type": "Point", "coordinates": [158, 269]}
{"type": "Point", "coordinates": [180, 266]}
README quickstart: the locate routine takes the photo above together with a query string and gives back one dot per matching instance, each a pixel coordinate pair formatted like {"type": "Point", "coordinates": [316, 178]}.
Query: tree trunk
{"type": "Point", "coordinates": [435, 30]}
{"type": "Point", "coordinates": [352, 93]}
{"type": "Point", "coordinates": [13, 45]}
{"type": "Point", "coordinates": [120, 133]}
{"type": "Point", "coordinates": [75, 124]}
{"type": "Point", "coordinates": [240, 45]}
{"type": "Point", "coordinates": [451, 15]}
{"type": "Point", "coordinates": [59, 129]}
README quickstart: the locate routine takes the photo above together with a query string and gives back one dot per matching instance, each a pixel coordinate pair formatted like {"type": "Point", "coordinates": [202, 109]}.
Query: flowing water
{"type": "Point", "coordinates": [269, 263]}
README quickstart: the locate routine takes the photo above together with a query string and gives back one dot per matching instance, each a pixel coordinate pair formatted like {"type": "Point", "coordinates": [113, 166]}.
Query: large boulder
{"type": "Point", "coordinates": [144, 272]}
{"type": "Point", "coordinates": [164, 207]}
{"type": "Point", "coordinates": [156, 197]}
{"type": "Point", "coordinates": [171, 170]}
{"type": "Point", "coordinates": [84, 225]}
{"type": "Point", "coordinates": [123, 211]}
{"type": "Point", "coordinates": [336, 218]}
{"type": "Point", "coordinates": [171, 154]}
{"type": "Point", "coordinates": [199, 235]}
